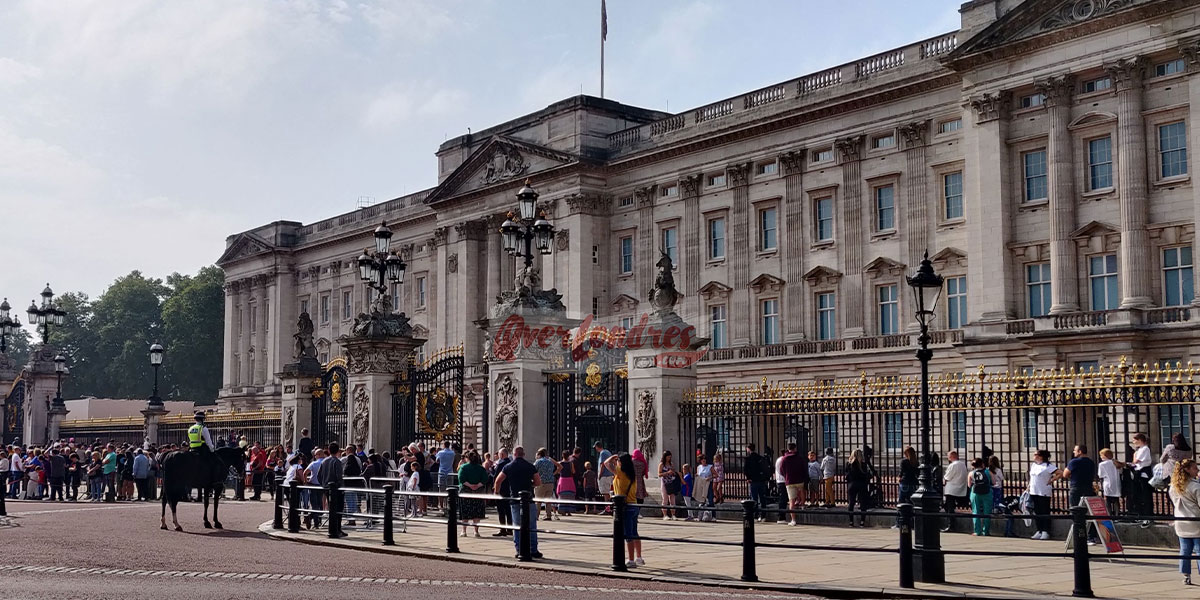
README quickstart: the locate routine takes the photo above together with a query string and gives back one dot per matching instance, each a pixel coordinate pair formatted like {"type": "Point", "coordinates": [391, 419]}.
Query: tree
{"type": "Point", "coordinates": [75, 340]}
{"type": "Point", "coordinates": [193, 320]}
{"type": "Point", "coordinates": [19, 347]}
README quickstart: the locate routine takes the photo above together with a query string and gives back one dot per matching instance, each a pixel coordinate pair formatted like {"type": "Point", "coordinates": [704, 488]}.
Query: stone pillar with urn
{"type": "Point", "coordinates": [377, 351]}
{"type": "Point", "coordinates": [41, 420]}
{"type": "Point", "coordinates": [299, 378]}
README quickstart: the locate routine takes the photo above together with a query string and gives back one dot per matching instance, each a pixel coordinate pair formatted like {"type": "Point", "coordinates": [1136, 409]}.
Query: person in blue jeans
{"type": "Point", "coordinates": [521, 477]}
{"type": "Point", "coordinates": [909, 479]}
{"type": "Point", "coordinates": [757, 474]}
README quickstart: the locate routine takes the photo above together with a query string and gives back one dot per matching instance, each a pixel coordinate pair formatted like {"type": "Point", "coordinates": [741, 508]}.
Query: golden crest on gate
{"type": "Point", "coordinates": [593, 378]}
{"type": "Point", "coordinates": [437, 412]}
{"type": "Point", "coordinates": [335, 395]}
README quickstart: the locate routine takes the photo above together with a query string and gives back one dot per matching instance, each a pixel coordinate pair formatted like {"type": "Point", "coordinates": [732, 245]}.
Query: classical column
{"type": "Point", "coordinates": [691, 238]}
{"type": "Point", "coordinates": [468, 271]}
{"type": "Point", "coordinates": [988, 209]}
{"type": "Point", "coordinates": [495, 252]}
{"type": "Point", "coordinates": [738, 244]}
{"type": "Point", "coordinates": [229, 372]}
{"type": "Point", "coordinates": [852, 241]}
{"type": "Point", "coordinates": [1064, 271]}
{"type": "Point", "coordinates": [1190, 50]}
{"type": "Point", "coordinates": [647, 251]}
{"type": "Point", "coordinates": [576, 239]}
{"type": "Point", "coordinates": [439, 294]}
{"type": "Point", "coordinates": [261, 304]}
{"type": "Point", "coordinates": [1135, 266]}
{"type": "Point", "coordinates": [245, 377]}
{"type": "Point", "coordinates": [794, 305]}
{"type": "Point", "coordinates": [916, 204]}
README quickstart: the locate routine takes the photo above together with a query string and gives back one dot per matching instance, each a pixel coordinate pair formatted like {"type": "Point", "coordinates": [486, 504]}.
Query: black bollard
{"type": "Point", "coordinates": [1083, 573]}
{"type": "Point", "coordinates": [618, 536]}
{"type": "Point", "coordinates": [334, 501]}
{"type": "Point", "coordinates": [749, 569]}
{"type": "Point", "coordinates": [294, 507]}
{"type": "Point", "coordinates": [906, 547]}
{"type": "Point", "coordinates": [3, 492]}
{"type": "Point", "coordinates": [452, 519]}
{"type": "Point", "coordinates": [389, 535]}
{"type": "Point", "coordinates": [278, 522]}
{"type": "Point", "coordinates": [525, 552]}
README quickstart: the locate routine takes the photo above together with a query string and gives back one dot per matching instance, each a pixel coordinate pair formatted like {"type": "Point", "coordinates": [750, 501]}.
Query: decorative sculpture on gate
{"type": "Point", "coordinates": [289, 424]}
{"type": "Point", "coordinates": [362, 415]}
{"type": "Point", "coordinates": [305, 348]}
{"type": "Point", "coordinates": [647, 422]}
{"type": "Point", "coordinates": [663, 295]}
{"type": "Point", "coordinates": [506, 412]}
{"type": "Point", "coordinates": [438, 413]}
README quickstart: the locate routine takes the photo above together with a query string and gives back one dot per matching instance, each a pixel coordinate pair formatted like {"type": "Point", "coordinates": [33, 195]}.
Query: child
{"type": "Point", "coordinates": [1109, 473]}
{"type": "Point", "coordinates": [591, 485]}
{"type": "Point", "coordinates": [814, 479]}
{"type": "Point", "coordinates": [687, 492]}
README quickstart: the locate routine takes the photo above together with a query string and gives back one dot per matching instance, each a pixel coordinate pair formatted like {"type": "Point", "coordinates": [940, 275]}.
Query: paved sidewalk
{"type": "Point", "coordinates": [828, 572]}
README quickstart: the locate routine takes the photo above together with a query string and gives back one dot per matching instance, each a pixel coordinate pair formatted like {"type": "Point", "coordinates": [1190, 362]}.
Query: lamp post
{"type": "Point", "coordinates": [60, 369]}
{"type": "Point", "coordinates": [930, 563]}
{"type": "Point", "coordinates": [378, 267]}
{"type": "Point", "coordinates": [47, 314]}
{"type": "Point", "coordinates": [156, 358]}
{"type": "Point", "coordinates": [9, 325]}
{"type": "Point", "coordinates": [520, 232]}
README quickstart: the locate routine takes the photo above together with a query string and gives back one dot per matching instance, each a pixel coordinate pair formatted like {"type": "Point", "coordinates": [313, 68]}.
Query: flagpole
{"type": "Point", "coordinates": [603, 26]}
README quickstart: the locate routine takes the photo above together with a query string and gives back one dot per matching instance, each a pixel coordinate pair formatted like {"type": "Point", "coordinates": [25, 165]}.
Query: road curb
{"type": "Point", "coordinates": [810, 589]}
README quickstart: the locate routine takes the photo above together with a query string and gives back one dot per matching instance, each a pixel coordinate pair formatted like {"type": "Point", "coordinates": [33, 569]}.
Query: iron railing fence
{"type": "Point", "coordinates": [116, 430]}
{"type": "Point", "coordinates": [1009, 415]}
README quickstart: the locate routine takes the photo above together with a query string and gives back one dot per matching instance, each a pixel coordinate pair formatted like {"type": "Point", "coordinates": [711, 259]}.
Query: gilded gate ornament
{"type": "Point", "coordinates": [647, 421]}
{"type": "Point", "coordinates": [362, 414]}
{"type": "Point", "coordinates": [438, 413]}
{"type": "Point", "coordinates": [506, 412]}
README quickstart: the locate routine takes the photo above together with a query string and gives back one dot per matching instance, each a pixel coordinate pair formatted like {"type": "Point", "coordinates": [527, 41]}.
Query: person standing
{"type": "Point", "coordinates": [758, 475]}
{"type": "Point", "coordinates": [1040, 490]}
{"type": "Point", "coordinates": [472, 478]}
{"type": "Point", "coordinates": [814, 480]}
{"type": "Point", "coordinates": [981, 496]}
{"type": "Point", "coordinates": [1185, 498]}
{"type": "Point", "coordinates": [1140, 496]}
{"type": "Point", "coordinates": [1174, 452]}
{"type": "Point", "coordinates": [306, 445]}
{"type": "Point", "coordinates": [565, 489]}
{"type": "Point", "coordinates": [109, 468]}
{"type": "Point", "coordinates": [1109, 473]}
{"type": "Point", "coordinates": [504, 513]}
{"type": "Point", "coordinates": [625, 484]}
{"type": "Point", "coordinates": [544, 489]}
{"type": "Point", "coordinates": [669, 485]}
{"type": "Point", "coordinates": [909, 479]}
{"type": "Point", "coordinates": [332, 472]}
{"type": "Point", "coordinates": [1081, 476]}
{"type": "Point", "coordinates": [141, 475]}
{"type": "Point", "coordinates": [795, 479]}
{"type": "Point", "coordinates": [780, 488]}
{"type": "Point", "coordinates": [445, 460]}
{"type": "Point", "coordinates": [954, 487]}
{"type": "Point", "coordinates": [828, 472]}
{"type": "Point", "coordinates": [57, 474]}
{"type": "Point", "coordinates": [605, 477]}
{"type": "Point", "coordinates": [858, 479]}
{"type": "Point", "coordinates": [258, 469]}
{"type": "Point", "coordinates": [521, 476]}
{"type": "Point", "coordinates": [74, 473]}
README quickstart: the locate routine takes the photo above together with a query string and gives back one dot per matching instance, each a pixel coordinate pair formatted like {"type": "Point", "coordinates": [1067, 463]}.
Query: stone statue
{"type": "Point", "coordinates": [362, 415]}
{"type": "Point", "coordinates": [381, 321]}
{"type": "Point", "coordinates": [528, 279]}
{"type": "Point", "coordinates": [663, 295]}
{"type": "Point", "coordinates": [646, 421]}
{"type": "Point", "coordinates": [506, 412]}
{"type": "Point", "coordinates": [304, 338]}
{"type": "Point", "coordinates": [289, 424]}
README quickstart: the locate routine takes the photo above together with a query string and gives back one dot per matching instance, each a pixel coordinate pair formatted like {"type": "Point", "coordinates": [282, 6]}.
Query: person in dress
{"type": "Point", "coordinates": [472, 480]}
{"type": "Point", "coordinates": [566, 489]}
{"type": "Point", "coordinates": [718, 478]}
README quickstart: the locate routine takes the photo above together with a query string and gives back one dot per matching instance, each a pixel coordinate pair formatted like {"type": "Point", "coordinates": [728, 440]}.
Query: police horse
{"type": "Point", "coordinates": [185, 470]}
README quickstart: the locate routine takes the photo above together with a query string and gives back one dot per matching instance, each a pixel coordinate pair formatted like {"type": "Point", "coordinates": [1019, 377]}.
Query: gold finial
{"type": "Point", "coordinates": [862, 379]}
{"type": "Point", "coordinates": [981, 374]}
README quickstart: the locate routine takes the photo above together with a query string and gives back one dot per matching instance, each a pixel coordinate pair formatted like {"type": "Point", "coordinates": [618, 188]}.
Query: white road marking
{"type": "Point", "coordinates": [377, 580]}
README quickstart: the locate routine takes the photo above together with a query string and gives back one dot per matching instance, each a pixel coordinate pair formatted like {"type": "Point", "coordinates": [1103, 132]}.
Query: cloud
{"type": "Point", "coordinates": [14, 73]}
{"type": "Point", "coordinates": [396, 104]}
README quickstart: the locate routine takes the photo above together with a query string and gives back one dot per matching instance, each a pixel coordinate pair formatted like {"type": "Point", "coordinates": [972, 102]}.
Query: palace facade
{"type": "Point", "coordinates": [1041, 155]}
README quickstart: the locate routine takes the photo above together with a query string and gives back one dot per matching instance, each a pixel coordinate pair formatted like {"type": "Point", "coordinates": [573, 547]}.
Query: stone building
{"type": "Point", "coordinates": [1039, 154]}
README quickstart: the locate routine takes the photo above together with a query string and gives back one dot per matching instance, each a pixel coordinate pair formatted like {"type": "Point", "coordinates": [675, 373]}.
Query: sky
{"type": "Point", "coordinates": [139, 134]}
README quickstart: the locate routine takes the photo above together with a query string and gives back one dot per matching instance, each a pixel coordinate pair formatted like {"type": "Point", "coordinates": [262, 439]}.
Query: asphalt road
{"type": "Point", "coordinates": [86, 551]}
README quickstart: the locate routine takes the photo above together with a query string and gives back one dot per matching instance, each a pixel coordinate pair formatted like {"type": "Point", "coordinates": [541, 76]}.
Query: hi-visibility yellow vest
{"type": "Point", "coordinates": [195, 436]}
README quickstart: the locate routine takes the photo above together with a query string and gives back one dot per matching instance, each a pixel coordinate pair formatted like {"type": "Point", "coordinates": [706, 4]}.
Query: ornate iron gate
{"type": "Point", "coordinates": [587, 408]}
{"type": "Point", "coordinates": [330, 422]}
{"type": "Point", "coordinates": [14, 413]}
{"type": "Point", "coordinates": [427, 401]}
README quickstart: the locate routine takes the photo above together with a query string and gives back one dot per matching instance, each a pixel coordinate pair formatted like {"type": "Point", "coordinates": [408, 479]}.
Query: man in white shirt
{"type": "Point", "coordinates": [954, 486]}
{"type": "Point", "coordinates": [1140, 497]}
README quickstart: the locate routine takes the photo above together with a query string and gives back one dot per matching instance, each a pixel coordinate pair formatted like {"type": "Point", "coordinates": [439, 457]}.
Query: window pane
{"type": "Point", "coordinates": [952, 184]}
{"type": "Point", "coordinates": [1035, 175]}
{"type": "Point", "coordinates": [768, 231]}
{"type": "Point", "coordinates": [1172, 148]}
{"type": "Point", "coordinates": [885, 208]}
{"type": "Point", "coordinates": [670, 244]}
{"type": "Point", "coordinates": [716, 238]}
{"type": "Point", "coordinates": [825, 219]}
{"type": "Point", "coordinates": [826, 316]}
{"type": "Point", "coordinates": [888, 310]}
{"type": "Point", "coordinates": [1100, 163]}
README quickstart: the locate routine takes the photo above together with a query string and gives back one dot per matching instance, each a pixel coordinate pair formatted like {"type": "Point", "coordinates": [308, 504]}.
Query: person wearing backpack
{"type": "Point", "coordinates": [981, 496]}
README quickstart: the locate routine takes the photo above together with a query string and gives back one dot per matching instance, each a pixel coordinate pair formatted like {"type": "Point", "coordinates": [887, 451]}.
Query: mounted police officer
{"type": "Point", "coordinates": [199, 439]}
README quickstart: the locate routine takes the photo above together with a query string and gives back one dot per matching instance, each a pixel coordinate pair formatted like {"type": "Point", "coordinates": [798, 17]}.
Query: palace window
{"type": "Point", "coordinates": [626, 255]}
{"type": "Point", "coordinates": [1177, 276]}
{"type": "Point", "coordinates": [1029, 428]}
{"type": "Point", "coordinates": [893, 426]}
{"type": "Point", "coordinates": [304, 305]}
{"type": "Point", "coordinates": [768, 229]}
{"type": "Point", "coordinates": [717, 180]}
{"type": "Point", "coordinates": [1171, 67]}
{"type": "Point", "coordinates": [716, 238]}
{"type": "Point", "coordinates": [1035, 175]}
{"type": "Point", "coordinates": [421, 292]}
{"type": "Point", "coordinates": [1172, 419]}
{"type": "Point", "coordinates": [1100, 163]}
{"type": "Point", "coordinates": [1084, 366]}
{"type": "Point", "coordinates": [949, 126]}
{"type": "Point", "coordinates": [958, 429]}
{"type": "Point", "coordinates": [829, 431]}
{"type": "Point", "coordinates": [324, 308]}
{"type": "Point", "coordinates": [253, 317]}
{"type": "Point", "coordinates": [1032, 101]}
{"type": "Point", "coordinates": [956, 302]}
{"type": "Point", "coordinates": [770, 321]}
{"type": "Point", "coordinates": [824, 218]}
{"type": "Point", "coordinates": [1097, 85]}
{"type": "Point", "coordinates": [347, 305]}
{"type": "Point", "coordinates": [952, 187]}
{"type": "Point", "coordinates": [719, 326]}
{"type": "Point", "coordinates": [889, 310]}
{"type": "Point", "coordinates": [625, 201]}
{"type": "Point", "coordinates": [826, 316]}
{"type": "Point", "coordinates": [885, 208]}
{"type": "Point", "coordinates": [668, 191]}
{"type": "Point", "coordinates": [766, 168]}
{"type": "Point", "coordinates": [823, 155]}
{"type": "Point", "coordinates": [1037, 284]}
{"type": "Point", "coordinates": [884, 141]}
{"type": "Point", "coordinates": [670, 244]}
{"type": "Point", "coordinates": [626, 323]}
{"type": "Point", "coordinates": [1102, 278]}
{"type": "Point", "coordinates": [1172, 149]}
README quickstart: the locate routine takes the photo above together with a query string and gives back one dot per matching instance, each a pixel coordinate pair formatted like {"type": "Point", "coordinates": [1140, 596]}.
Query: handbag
{"type": "Point", "coordinates": [672, 485]}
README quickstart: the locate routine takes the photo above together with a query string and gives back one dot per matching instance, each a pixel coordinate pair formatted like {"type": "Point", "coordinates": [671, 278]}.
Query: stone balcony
{"type": "Point", "coordinates": [838, 347]}
{"type": "Point", "coordinates": [1170, 317]}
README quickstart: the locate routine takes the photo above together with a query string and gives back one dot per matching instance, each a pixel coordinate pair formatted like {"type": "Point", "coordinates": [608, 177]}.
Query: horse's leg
{"type": "Point", "coordinates": [174, 514]}
{"type": "Point", "coordinates": [163, 518]}
{"type": "Point", "coordinates": [218, 491]}
{"type": "Point", "coordinates": [204, 492]}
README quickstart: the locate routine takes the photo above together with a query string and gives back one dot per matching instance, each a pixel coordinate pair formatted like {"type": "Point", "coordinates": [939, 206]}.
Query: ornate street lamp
{"type": "Point", "coordinates": [60, 369]}
{"type": "Point", "coordinates": [156, 358]}
{"type": "Point", "coordinates": [46, 315]}
{"type": "Point", "coordinates": [930, 563]}
{"type": "Point", "coordinates": [9, 325]}
{"type": "Point", "coordinates": [521, 234]}
{"type": "Point", "coordinates": [383, 265]}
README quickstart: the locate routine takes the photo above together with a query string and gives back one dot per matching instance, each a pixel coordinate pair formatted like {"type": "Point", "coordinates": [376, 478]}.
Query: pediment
{"type": "Point", "coordinates": [715, 290]}
{"type": "Point", "coordinates": [766, 283]}
{"type": "Point", "coordinates": [624, 302]}
{"type": "Point", "coordinates": [244, 245]}
{"type": "Point", "coordinates": [1037, 23]}
{"type": "Point", "coordinates": [1094, 229]}
{"type": "Point", "coordinates": [822, 275]}
{"type": "Point", "coordinates": [1094, 117]}
{"type": "Point", "coordinates": [501, 160]}
{"type": "Point", "coordinates": [949, 257]}
{"type": "Point", "coordinates": [884, 266]}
